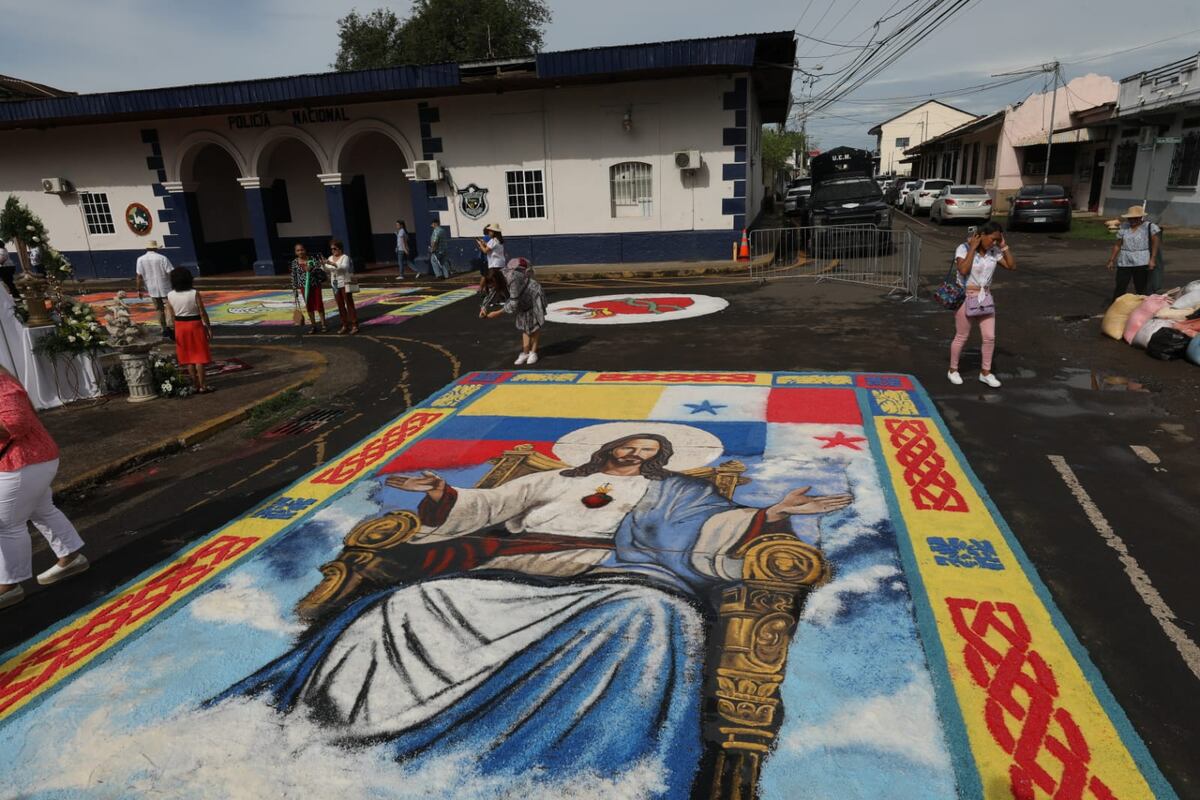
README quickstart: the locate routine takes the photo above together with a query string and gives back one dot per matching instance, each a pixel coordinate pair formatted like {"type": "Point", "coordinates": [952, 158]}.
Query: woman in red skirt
{"type": "Point", "coordinates": [192, 330]}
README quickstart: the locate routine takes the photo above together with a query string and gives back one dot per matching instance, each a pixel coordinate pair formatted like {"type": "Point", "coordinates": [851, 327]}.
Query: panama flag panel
{"type": "Point", "coordinates": [591, 584]}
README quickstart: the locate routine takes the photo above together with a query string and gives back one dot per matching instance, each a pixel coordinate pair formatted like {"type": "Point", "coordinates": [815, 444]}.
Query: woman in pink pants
{"type": "Point", "coordinates": [976, 261]}
{"type": "Point", "coordinates": [28, 462]}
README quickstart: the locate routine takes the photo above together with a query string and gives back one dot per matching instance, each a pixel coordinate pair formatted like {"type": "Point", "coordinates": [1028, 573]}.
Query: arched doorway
{"type": "Point", "coordinates": [224, 241]}
{"type": "Point", "coordinates": [377, 194]}
{"type": "Point", "coordinates": [295, 198]}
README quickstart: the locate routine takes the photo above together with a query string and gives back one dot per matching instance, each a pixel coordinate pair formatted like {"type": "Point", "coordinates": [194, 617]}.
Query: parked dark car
{"type": "Point", "coordinates": [1040, 206]}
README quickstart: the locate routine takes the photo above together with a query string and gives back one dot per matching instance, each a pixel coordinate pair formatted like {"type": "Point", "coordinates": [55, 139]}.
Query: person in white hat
{"type": "Point", "coordinates": [1135, 255]}
{"type": "Point", "coordinates": [154, 272]}
{"type": "Point", "coordinates": [493, 246]}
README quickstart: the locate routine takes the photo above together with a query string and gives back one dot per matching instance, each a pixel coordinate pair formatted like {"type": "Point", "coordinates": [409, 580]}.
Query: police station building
{"type": "Point", "coordinates": [646, 152]}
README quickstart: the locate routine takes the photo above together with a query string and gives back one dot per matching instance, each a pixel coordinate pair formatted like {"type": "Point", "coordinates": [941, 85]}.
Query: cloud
{"type": "Point", "coordinates": [827, 602]}
{"type": "Point", "coordinates": [904, 723]}
{"type": "Point", "coordinates": [243, 750]}
{"type": "Point", "coordinates": [237, 601]}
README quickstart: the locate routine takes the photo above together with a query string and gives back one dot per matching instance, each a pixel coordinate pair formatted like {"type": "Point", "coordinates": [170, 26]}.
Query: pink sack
{"type": "Point", "coordinates": [1149, 307]}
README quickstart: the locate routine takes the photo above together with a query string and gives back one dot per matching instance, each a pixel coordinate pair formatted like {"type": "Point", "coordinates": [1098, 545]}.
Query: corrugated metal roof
{"type": "Point", "coordinates": [725, 51]}
{"type": "Point", "coordinates": [744, 51]}
{"type": "Point", "coordinates": [202, 97]}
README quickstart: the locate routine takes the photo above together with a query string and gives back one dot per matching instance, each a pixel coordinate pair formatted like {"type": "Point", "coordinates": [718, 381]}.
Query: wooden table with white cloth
{"type": "Point", "coordinates": [50, 382]}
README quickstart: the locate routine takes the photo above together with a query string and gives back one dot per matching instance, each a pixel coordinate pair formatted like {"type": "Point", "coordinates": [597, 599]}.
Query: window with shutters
{"type": "Point", "coordinates": [631, 188]}
{"type": "Point", "coordinates": [1185, 164]}
{"type": "Point", "coordinates": [1123, 164]}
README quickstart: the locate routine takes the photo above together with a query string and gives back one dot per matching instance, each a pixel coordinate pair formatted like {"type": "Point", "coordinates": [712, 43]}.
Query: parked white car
{"type": "Point", "coordinates": [796, 199]}
{"type": "Point", "coordinates": [961, 202]}
{"type": "Point", "coordinates": [902, 192]}
{"type": "Point", "coordinates": [920, 198]}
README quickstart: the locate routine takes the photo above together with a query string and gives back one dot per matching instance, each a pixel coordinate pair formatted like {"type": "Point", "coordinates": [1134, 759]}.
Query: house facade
{"type": "Point", "coordinates": [630, 153]}
{"type": "Point", "coordinates": [1155, 146]}
{"type": "Point", "coordinates": [1007, 149]}
{"type": "Point", "coordinates": [917, 125]}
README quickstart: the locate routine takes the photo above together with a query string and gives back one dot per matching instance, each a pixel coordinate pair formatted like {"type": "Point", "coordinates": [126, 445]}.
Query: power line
{"type": "Point", "coordinates": [1130, 49]}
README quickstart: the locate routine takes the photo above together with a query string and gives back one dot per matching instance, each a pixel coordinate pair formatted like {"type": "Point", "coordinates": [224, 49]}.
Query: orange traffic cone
{"type": "Point", "coordinates": [744, 248]}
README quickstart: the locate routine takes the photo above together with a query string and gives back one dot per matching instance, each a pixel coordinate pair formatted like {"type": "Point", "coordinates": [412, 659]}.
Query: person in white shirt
{"type": "Point", "coordinates": [154, 275]}
{"type": "Point", "coordinates": [976, 263]}
{"type": "Point", "coordinates": [402, 247]}
{"type": "Point", "coordinates": [8, 272]}
{"type": "Point", "coordinates": [341, 275]}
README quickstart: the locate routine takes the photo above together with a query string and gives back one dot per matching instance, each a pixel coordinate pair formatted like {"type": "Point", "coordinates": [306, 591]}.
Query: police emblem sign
{"type": "Point", "coordinates": [473, 201]}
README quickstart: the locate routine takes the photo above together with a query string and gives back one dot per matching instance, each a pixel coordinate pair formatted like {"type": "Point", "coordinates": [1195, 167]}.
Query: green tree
{"type": "Point", "coordinates": [441, 30]}
{"type": "Point", "coordinates": [777, 147]}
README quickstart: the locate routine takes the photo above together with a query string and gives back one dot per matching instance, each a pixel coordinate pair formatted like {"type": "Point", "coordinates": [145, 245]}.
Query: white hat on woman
{"type": "Point", "coordinates": [492, 228]}
{"type": "Point", "coordinates": [1134, 212]}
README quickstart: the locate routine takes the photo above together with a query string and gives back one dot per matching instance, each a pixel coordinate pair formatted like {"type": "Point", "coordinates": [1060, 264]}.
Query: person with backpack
{"type": "Point", "coordinates": [517, 292]}
{"type": "Point", "coordinates": [975, 262]}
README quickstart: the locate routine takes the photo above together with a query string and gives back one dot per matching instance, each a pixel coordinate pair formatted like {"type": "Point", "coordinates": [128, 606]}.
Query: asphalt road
{"type": "Point", "coordinates": [1050, 356]}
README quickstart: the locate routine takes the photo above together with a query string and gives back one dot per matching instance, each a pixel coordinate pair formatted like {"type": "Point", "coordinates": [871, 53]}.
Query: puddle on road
{"type": "Point", "coordinates": [1098, 380]}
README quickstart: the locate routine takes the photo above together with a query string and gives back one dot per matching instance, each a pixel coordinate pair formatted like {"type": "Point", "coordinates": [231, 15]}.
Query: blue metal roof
{"type": "Point", "coordinates": [730, 51]}
{"type": "Point", "coordinates": [743, 51]}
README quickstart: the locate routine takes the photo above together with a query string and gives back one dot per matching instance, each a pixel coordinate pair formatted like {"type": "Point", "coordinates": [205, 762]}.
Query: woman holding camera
{"type": "Point", "coordinates": [976, 262]}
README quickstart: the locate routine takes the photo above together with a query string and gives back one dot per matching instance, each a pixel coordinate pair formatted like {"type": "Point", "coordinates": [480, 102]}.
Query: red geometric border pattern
{"type": "Point", "coordinates": [1021, 711]}
{"type": "Point", "coordinates": [932, 488]}
{"type": "Point", "coordinates": [74, 645]}
{"type": "Point", "coordinates": [375, 450]}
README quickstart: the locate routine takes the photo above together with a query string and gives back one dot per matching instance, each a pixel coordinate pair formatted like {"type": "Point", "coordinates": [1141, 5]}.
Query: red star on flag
{"type": "Point", "coordinates": [840, 439]}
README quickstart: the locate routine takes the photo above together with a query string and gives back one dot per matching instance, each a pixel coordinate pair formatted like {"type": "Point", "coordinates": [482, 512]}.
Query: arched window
{"type": "Point", "coordinates": [632, 189]}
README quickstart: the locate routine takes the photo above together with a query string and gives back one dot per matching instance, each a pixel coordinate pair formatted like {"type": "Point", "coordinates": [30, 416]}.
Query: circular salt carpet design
{"type": "Point", "coordinates": [630, 309]}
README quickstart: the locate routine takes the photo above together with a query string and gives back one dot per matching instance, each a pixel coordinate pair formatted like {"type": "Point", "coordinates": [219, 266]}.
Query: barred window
{"type": "Point", "coordinates": [96, 212]}
{"type": "Point", "coordinates": [526, 194]}
{"type": "Point", "coordinates": [902, 141]}
{"type": "Point", "coordinates": [1185, 164]}
{"type": "Point", "coordinates": [1123, 164]}
{"type": "Point", "coordinates": [631, 189]}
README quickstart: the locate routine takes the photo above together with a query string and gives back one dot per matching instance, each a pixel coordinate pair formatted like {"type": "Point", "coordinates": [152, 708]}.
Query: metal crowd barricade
{"type": "Point", "coordinates": [862, 254]}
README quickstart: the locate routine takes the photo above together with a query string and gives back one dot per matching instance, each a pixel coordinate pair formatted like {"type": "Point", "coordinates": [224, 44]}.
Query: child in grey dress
{"type": "Point", "coordinates": [515, 291]}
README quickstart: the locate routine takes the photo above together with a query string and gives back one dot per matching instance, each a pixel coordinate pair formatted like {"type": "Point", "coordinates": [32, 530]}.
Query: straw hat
{"type": "Point", "coordinates": [1134, 212]}
{"type": "Point", "coordinates": [493, 228]}
{"type": "Point", "coordinates": [152, 244]}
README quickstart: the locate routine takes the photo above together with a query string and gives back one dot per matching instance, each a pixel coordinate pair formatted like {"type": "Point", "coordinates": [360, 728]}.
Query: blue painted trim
{"type": "Point", "coordinates": [431, 146]}
{"type": "Point", "coordinates": [166, 215]}
{"type": "Point", "coordinates": [156, 148]}
{"type": "Point", "coordinates": [733, 172]}
{"type": "Point", "coordinates": [964, 762]}
{"type": "Point", "coordinates": [339, 225]}
{"type": "Point", "coordinates": [427, 114]}
{"type": "Point", "coordinates": [266, 238]}
{"type": "Point", "coordinates": [739, 222]}
{"type": "Point", "coordinates": [739, 189]}
{"type": "Point", "coordinates": [739, 154]}
{"type": "Point", "coordinates": [154, 162]}
{"type": "Point", "coordinates": [732, 51]}
{"type": "Point", "coordinates": [739, 118]}
{"type": "Point", "coordinates": [733, 205]}
{"type": "Point", "coordinates": [733, 136]}
{"type": "Point", "coordinates": [148, 135]}
{"type": "Point", "coordinates": [159, 190]}
{"type": "Point", "coordinates": [439, 204]}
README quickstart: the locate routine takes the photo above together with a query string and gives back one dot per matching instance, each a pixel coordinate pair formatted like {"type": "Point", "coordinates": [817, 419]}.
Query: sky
{"type": "Point", "coordinates": [122, 44]}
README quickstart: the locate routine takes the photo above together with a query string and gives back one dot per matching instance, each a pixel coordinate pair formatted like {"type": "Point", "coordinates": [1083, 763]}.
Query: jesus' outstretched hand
{"type": "Point", "coordinates": [798, 501]}
{"type": "Point", "coordinates": [428, 482]}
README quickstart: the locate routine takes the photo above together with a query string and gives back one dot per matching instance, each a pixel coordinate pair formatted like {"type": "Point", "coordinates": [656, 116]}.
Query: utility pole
{"type": "Point", "coordinates": [1050, 135]}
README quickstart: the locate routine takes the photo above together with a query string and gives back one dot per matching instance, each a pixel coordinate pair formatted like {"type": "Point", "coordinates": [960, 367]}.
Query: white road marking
{"type": "Point", "coordinates": [1137, 576]}
{"type": "Point", "coordinates": [1145, 454]}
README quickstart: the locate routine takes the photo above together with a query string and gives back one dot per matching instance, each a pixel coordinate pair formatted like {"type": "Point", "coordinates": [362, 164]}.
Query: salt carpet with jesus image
{"type": "Point", "coordinates": [591, 585]}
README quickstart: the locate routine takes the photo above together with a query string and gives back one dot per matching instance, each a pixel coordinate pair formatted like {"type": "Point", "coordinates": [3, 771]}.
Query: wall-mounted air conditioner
{"type": "Point", "coordinates": [687, 159]}
{"type": "Point", "coordinates": [56, 186]}
{"type": "Point", "coordinates": [424, 171]}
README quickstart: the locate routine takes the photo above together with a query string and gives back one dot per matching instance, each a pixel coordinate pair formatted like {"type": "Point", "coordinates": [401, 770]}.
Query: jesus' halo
{"type": "Point", "coordinates": [693, 447]}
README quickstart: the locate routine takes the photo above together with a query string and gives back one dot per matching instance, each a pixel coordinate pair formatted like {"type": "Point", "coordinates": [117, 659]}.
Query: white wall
{"type": "Point", "coordinates": [95, 158]}
{"type": "Point", "coordinates": [574, 134]}
{"type": "Point", "coordinates": [918, 124]}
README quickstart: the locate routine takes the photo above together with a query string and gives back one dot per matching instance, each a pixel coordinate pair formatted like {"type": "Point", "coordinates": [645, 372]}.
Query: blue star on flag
{"type": "Point", "coordinates": [706, 405]}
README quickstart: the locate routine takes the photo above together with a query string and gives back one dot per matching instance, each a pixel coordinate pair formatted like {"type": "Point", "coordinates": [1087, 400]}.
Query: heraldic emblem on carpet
{"type": "Point", "coordinates": [591, 585]}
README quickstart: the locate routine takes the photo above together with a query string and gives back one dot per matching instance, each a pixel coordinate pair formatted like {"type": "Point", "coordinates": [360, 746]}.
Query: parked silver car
{"type": "Point", "coordinates": [961, 202]}
{"type": "Point", "coordinates": [920, 198]}
{"type": "Point", "coordinates": [796, 199]}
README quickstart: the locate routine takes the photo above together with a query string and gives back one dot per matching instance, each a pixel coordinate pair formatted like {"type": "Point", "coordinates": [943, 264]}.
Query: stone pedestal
{"type": "Point", "coordinates": [135, 363]}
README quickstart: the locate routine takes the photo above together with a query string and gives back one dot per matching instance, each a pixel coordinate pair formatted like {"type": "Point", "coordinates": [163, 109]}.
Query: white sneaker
{"type": "Point", "coordinates": [522, 359]}
{"type": "Point", "coordinates": [990, 379]}
{"type": "Point", "coordinates": [12, 596]}
{"type": "Point", "coordinates": [954, 377]}
{"type": "Point", "coordinates": [532, 359]}
{"type": "Point", "coordinates": [57, 573]}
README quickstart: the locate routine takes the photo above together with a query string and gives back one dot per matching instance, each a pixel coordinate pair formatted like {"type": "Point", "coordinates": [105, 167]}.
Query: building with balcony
{"type": "Point", "coordinates": [1155, 148]}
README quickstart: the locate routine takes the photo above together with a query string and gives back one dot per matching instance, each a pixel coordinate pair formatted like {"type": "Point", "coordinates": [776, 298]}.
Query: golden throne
{"type": "Point", "coordinates": [753, 623]}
